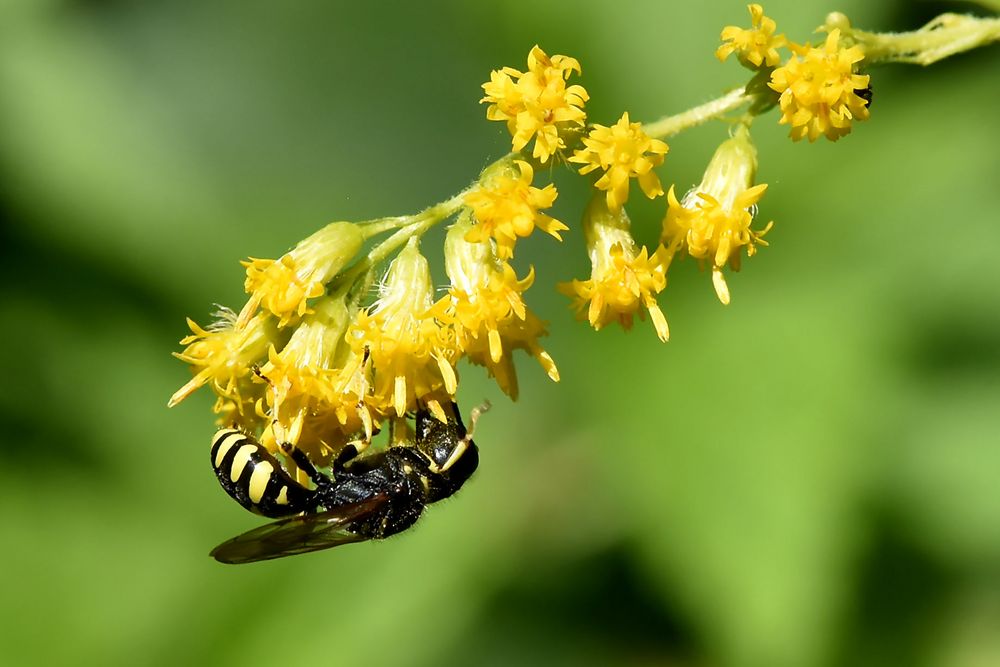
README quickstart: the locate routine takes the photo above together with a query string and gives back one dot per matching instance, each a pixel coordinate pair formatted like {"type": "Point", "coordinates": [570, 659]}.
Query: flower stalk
{"type": "Point", "coordinates": [668, 126]}
{"type": "Point", "coordinates": [317, 358]}
{"type": "Point", "coordinates": [944, 36]}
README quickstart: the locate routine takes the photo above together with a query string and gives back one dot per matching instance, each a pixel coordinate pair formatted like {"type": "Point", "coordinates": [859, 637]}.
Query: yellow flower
{"type": "Point", "coordinates": [485, 307]}
{"type": "Point", "coordinates": [756, 46]}
{"type": "Point", "coordinates": [294, 390]}
{"type": "Point", "coordinates": [537, 103]}
{"type": "Point", "coordinates": [507, 207]}
{"type": "Point", "coordinates": [410, 353]}
{"type": "Point", "coordinates": [713, 222]}
{"type": "Point", "coordinates": [622, 151]}
{"type": "Point", "coordinates": [283, 287]}
{"type": "Point", "coordinates": [622, 281]}
{"type": "Point", "coordinates": [819, 90]}
{"type": "Point", "coordinates": [313, 397]}
{"type": "Point", "coordinates": [222, 356]}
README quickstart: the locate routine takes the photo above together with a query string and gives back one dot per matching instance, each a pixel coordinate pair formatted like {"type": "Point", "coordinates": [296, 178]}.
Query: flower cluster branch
{"type": "Point", "coordinates": [311, 359]}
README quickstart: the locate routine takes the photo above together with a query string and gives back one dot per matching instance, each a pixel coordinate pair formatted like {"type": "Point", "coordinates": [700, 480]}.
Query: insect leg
{"type": "Point", "coordinates": [303, 462]}
{"type": "Point", "coordinates": [345, 455]}
{"type": "Point", "coordinates": [463, 444]}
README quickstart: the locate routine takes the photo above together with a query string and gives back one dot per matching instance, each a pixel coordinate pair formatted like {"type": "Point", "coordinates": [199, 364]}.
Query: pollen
{"type": "Point", "coordinates": [622, 151]}
{"type": "Point", "coordinates": [819, 88]}
{"type": "Point", "coordinates": [507, 207]}
{"type": "Point", "coordinates": [537, 104]}
{"type": "Point", "coordinates": [624, 281]}
{"type": "Point", "coordinates": [756, 46]}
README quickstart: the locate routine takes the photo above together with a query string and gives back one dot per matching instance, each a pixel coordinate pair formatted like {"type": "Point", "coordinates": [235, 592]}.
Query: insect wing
{"type": "Point", "coordinates": [298, 534]}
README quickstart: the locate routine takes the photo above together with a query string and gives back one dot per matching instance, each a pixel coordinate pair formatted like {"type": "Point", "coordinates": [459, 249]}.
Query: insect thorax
{"type": "Point", "coordinates": [398, 473]}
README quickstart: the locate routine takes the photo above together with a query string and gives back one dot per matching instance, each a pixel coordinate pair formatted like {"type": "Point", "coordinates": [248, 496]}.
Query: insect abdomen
{"type": "Point", "coordinates": [254, 478]}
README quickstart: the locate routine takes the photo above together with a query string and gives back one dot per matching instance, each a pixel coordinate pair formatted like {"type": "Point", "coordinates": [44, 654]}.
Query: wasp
{"type": "Point", "coordinates": [366, 498]}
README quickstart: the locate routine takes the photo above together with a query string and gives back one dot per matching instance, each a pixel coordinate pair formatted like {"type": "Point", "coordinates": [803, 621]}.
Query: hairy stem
{"type": "Point", "coordinates": [671, 125]}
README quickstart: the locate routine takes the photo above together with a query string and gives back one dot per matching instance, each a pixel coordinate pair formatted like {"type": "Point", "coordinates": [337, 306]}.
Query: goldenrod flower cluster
{"type": "Point", "coordinates": [346, 334]}
{"type": "Point", "coordinates": [320, 368]}
{"type": "Point", "coordinates": [507, 207]}
{"type": "Point", "coordinates": [713, 222]}
{"type": "Point", "coordinates": [755, 46]}
{"type": "Point", "coordinates": [537, 104]}
{"type": "Point", "coordinates": [820, 90]}
{"type": "Point", "coordinates": [624, 278]}
{"type": "Point", "coordinates": [622, 152]}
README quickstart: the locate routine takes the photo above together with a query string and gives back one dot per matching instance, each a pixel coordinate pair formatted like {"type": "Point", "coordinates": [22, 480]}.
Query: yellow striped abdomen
{"type": "Point", "coordinates": [255, 478]}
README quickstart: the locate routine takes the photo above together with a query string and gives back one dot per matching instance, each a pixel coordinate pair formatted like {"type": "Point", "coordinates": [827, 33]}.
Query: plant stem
{"type": "Point", "coordinates": [671, 125]}
{"type": "Point", "coordinates": [377, 226]}
{"type": "Point", "coordinates": [415, 225]}
{"type": "Point", "coordinates": [944, 36]}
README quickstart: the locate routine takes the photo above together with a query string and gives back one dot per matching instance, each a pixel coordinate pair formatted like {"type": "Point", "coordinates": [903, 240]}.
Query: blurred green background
{"type": "Point", "coordinates": [809, 477]}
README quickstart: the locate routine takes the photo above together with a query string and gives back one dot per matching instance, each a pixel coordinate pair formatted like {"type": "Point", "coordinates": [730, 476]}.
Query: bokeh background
{"type": "Point", "coordinates": [808, 477]}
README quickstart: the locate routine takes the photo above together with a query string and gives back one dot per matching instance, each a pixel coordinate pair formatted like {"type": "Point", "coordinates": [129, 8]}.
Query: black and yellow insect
{"type": "Point", "coordinates": [368, 497]}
